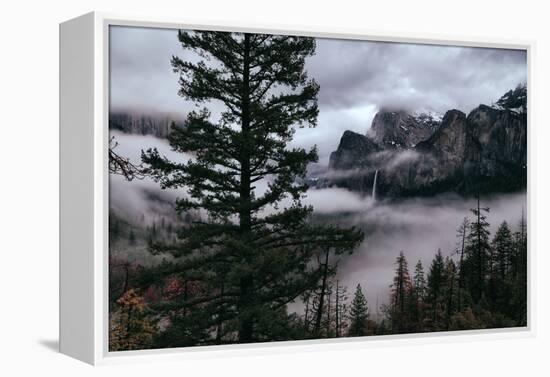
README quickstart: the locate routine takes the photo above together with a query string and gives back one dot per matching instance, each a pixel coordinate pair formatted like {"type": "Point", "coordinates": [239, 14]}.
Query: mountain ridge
{"type": "Point", "coordinates": [484, 151]}
{"type": "Point", "coordinates": [144, 123]}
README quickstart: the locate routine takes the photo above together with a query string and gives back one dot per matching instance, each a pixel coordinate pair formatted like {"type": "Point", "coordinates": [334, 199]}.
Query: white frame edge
{"type": "Point", "coordinates": [84, 98]}
{"type": "Point", "coordinates": [76, 182]}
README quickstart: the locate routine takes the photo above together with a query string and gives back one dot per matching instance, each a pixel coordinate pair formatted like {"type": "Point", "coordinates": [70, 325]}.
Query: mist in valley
{"type": "Point", "coordinates": [417, 226]}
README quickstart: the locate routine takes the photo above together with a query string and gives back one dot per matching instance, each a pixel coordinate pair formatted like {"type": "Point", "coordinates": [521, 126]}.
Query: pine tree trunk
{"type": "Point", "coordinates": [479, 250]}
{"type": "Point", "coordinates": [322, 296]}
{"type": "Point", "coordinates": [328, 314]}
{"type": "Point", "coordinates": [461, 272]}
{"type": "Point", "coordinates": [246, 319]}
{"type": "Point", "coordinates": [306, 317]}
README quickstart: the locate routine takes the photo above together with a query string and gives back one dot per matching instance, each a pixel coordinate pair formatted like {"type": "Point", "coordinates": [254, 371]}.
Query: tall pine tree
{"type": "Point", "coordinates": [436, 288]}
{"type": "Point", "coordinates": [477, 252]}
{"type": "Point", "coordinates": [461, 234]}
{"type": "Point", "coordinates": [359, 314]}
{"type": "Point", "coordinates": [418, 297]}
{"type": "Point", "coordinates": [500, 285]}
{"type": "Point", "coordinates": [502, 245]}
{"type": "Point", "coordinates": [340, 309]}
{"type": "Point", "coordinates": [419, 282]}
{"type": "Point", "coordinates": [247, 240]}
{"type": "Point", "coordinates": [401, 290]}
{"type": "Point", "coordinates": [518, 275]}
{"type": "Point", "coordinates": [451, 293]}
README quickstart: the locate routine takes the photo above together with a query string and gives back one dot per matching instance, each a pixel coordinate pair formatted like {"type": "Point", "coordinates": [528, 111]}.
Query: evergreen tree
{"type": "Point", "coordinates": [476, 263]}
{"type": "Point", "coordinates": [436, 287]}
{"type": "Point", "coordinates": [340, 309]}
{"type": "Point", "coordinates": [461, 234]}
{"type": "Point", "coordinates": [419, 282]}
{"type": "Point", "coordinates": [451, 293]}
{"type": "Point", "coordinates": [359, 314]}
{"type": "Point", "coordinates": [502, 246]}
{"type": "Point", "coordinates": [500, 286]}
{"type": "Point", "coordinates": [400, 297]}
{"type": "Point", "coordinates": [518, 275]}
{"type": "Point", "coordinates": [187, 328]}
{"type": "Point", "coordinates": [418, 296]}
{"type": "Point", "coordinates": [262, 256]}
{"type": "Point", "coordinates": [502, 302]}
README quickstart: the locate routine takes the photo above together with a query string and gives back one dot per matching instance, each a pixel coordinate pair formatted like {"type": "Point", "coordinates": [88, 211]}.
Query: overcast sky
{"type": "Point", "coordinates": [357, 78]}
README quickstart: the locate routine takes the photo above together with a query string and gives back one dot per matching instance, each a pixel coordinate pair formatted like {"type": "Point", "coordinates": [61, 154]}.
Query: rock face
{"type": "Point", "coordinates": [485, 151]}
{"type": "Point", "coordinates": [156, 124]}
{"type": "Point", "coordinates": [353, 152]}
{"type": "Point", "coordinates": [353, 162]}
{"type": "Point", "coordinates": [498, 141]}
{"type": "Point", "coordinates": [398, 129]}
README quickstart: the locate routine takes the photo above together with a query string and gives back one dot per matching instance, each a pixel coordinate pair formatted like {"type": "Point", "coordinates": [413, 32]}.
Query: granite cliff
{"type": "Point", "coordinates": [414, 155]}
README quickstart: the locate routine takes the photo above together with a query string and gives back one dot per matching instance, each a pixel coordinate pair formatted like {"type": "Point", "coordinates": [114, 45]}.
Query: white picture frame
{"type": "Point", "coordinates": [84, 98]}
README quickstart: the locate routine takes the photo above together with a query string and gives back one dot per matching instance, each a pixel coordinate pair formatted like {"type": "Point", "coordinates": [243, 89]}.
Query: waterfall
{"type": "Point", "coordinates": [374, 185]}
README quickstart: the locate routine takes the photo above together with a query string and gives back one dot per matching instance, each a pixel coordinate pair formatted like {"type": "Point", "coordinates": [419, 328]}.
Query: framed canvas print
{"type": "Point", "coordinates": [225, 188]}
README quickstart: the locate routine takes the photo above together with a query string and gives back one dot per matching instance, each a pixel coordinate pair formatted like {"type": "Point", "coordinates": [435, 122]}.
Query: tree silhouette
{"type": "Point", "coordinates": [436, 286]}
{"type": "Point", "coordinates": [401, 290]}
{"type": "Point", "coordinates": [359, 314]}
{"type": "Point", "coordinates": [418, 295]}
{"type": "Point", "coordinates": [255, 242]}
{"type": "Point", "coordinates": [477, 253]}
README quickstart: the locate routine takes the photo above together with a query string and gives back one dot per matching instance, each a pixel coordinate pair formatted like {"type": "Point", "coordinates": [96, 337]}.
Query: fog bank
{"type": "Point", "coordinates": [418, 227]}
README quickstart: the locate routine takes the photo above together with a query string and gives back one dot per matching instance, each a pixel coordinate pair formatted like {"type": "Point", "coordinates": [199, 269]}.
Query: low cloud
{"type": "Point", "coordinates": [393, 159]}
{"type": "Point", "coordinates": [137, 199]}
{"type": "Point", "coordinates": [401, 158]}
{"type": "Point", "coordinates": [343, 174]}
{"type": "Point", "coordinates": [336, 200]}
{"type": "Point", "coordinates": [418, 227]}
{"type": "Point", "coordinates": [413, 76]}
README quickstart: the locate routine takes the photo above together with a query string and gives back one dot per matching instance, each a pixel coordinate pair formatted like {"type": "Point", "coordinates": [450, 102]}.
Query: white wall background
{"type": "Point", "coordinates": [29, 184]}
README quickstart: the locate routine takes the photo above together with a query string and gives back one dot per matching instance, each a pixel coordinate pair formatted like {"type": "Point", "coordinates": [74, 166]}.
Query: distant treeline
{"type": "Point", "coordinates": [155, 124]}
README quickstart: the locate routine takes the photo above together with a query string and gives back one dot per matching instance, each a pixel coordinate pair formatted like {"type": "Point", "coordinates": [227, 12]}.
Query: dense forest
{"type": "Point", "coordinates": [232, 258]}
{"type": "Point", "coordinates": [481, 284]}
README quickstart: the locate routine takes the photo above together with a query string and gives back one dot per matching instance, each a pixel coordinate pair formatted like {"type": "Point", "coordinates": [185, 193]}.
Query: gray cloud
{"type": "Point", "coordinates": [132, 199]}
{"type": "Point", "coordinates": [141, 75]}
{"type": "Point", "coordinates": [357, 78]}
{"type": "Point", "coordinates": [413, 76]}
